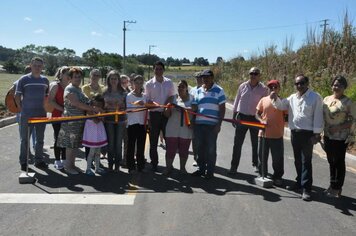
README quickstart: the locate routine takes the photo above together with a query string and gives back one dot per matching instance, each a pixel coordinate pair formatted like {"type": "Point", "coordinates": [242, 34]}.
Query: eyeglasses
{"type": "Point", "coordinates": [301, 83]}
{"type": "Point", "coordinates": [273, 87]}
{"type": "Point", "coordinates": [254, 73]}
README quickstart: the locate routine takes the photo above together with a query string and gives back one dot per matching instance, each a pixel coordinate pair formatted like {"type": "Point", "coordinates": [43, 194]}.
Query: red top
{"type": "Point", "coordinates": [59, 100]}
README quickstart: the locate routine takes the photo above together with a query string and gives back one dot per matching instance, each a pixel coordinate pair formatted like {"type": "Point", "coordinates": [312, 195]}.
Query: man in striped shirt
{"type": "Point", "coordinates": [209, 100]}
{"type": "Point", "coordinates": [29, 96]}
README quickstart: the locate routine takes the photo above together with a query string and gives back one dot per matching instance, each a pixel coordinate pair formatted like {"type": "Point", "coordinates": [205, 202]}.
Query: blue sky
{"type": "Point", "coordinates": [194, 28]}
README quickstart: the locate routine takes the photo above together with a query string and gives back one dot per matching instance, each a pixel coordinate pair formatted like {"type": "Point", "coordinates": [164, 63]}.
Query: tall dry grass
{"type": "Point", "coordinates": [321, 57]}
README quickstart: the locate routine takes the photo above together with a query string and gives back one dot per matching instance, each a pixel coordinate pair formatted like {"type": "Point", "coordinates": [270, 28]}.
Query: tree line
{"type": "Point", "coordinates": [14, 61]}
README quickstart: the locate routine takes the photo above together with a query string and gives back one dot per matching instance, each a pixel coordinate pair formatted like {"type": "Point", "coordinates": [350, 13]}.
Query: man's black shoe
{"type": "Point", "coordinates": [197, 173]}
{"type": "Point", "coordinates": [306, 196]}
{"type": "Point", "coordinates": [154, 168]}
{"type": "Point", "coordinates": [41, 165]}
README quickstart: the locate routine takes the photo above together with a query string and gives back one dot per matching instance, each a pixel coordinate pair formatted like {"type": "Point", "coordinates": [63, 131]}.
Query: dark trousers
{"type": "Point", "coordinates": [136, 137]}
{"type": "Point", "coordinates": [303, 153]}
{"type": "Point", "coordinates": [206, 147]}
{"type": "Point", "coordinates": [277, 152]}
{"type": "Point", "coordinates": [240, 133]}
{"type": "Point", "coordinates": [58, 151]}
{"type": "Point", "coordinates": [158, 123]}
{"type": "Point", "coordinates": [336, 152]}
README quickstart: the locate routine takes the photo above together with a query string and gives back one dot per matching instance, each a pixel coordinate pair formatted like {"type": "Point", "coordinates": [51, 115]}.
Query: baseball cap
{"type": "Point", "coordinates": [197, 74]}
{"type": "Point", "coordinates": [206, 72]}
{"type": "Point", "coordinates": [273, 82]}
{"type": "Point", "coordinates": [254, 70]}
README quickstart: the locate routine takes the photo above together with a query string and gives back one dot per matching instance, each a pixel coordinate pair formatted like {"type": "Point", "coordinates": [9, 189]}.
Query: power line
{"type": "Point", "coordinates": [88, 17]}
{"type": "Point", "coordinates": [112, 8]}
{"type": "Point", "coordinates": [227, 30]}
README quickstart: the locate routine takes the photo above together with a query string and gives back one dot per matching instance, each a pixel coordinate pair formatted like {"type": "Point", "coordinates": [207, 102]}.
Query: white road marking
{"type": "Point", "coordinates": [89, 199]}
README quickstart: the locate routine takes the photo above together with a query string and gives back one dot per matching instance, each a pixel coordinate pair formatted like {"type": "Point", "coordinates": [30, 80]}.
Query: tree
{"type": "Point", "coordinates": [91, 57]}
{"type": "Point", "coordinates": [201, 61]}
{"type": "Point", "coordinates": [184, 60]}
{"type": "Point", "coordinates": [66, 56]}
{"type": "Point", "coordinates": [11, 67]}
{"type": "Point", "coordinates": [6, 53]}
{"type": "Point", "coordinates": [147, 59]}
{"type": "Point", "coordinates": [219, 60]}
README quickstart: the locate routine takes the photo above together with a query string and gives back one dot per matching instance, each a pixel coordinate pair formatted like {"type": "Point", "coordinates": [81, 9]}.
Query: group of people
{"type": "Point", "coordinates": [310, 118]}
{"type": "Point", "coordinates": [185, 117]}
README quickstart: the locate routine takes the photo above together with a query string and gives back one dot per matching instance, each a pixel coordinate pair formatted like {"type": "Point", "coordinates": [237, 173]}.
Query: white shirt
{"type": "Point", "coordinates": [174, 127]}
{"type": "Point", "coordinates": [159, 92]}
{"type": "Point", "coordinates": [304, 112]}
{"type": "Point", "coordinates": [135, 117]}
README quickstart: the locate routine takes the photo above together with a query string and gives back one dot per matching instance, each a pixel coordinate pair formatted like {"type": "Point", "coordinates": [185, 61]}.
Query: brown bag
{"type": "Point", "coordinates": [10, 100]}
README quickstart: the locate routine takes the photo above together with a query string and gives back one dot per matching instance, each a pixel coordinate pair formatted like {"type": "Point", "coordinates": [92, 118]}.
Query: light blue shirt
{"type": "Point", "coordinates": [208, 104]}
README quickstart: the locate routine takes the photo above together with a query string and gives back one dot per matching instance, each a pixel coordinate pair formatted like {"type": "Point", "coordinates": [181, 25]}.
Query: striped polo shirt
{"type": "Point", "coordinates": [33, 92]}
{"type": "Point", "coordinates": [208, 103]}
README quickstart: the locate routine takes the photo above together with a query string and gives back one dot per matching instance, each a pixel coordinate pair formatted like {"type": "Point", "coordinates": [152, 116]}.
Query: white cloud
{"type": "Point", "coordinates": [27, 18]}
{"type": "Point", "coordinates": [39, 31]}
{"type": "Point", "coordinates": [93, 33]}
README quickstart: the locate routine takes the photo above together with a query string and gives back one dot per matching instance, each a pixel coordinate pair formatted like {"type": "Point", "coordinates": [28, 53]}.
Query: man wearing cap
{"type": "Point", "coordinates": [248, 95]}
{"type": "Point", "coordinates": [161, 90]}
{"type": "Point", "coordinates": [199, 82]}
{"type": "Point", "coordinates": [209, 100]}
{"type": "Point", "coordinates": [272, 137]}
{"type": "Point", "coordinates": [305, 119]}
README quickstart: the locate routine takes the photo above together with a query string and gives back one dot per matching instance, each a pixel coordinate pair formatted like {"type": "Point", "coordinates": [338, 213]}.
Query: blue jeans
{"type": "Point", "coordinates": [33, 134]}
{"type": "Point", "coordinates": [115, 133]}
{"type": "Point", "coordinates": [39, 129]}
{"type": "Point", "coordinates": [206, 147]}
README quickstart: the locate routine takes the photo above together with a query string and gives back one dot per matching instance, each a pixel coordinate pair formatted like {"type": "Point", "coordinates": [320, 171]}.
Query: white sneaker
{"type": "Point", "coordinates": [58, 165]}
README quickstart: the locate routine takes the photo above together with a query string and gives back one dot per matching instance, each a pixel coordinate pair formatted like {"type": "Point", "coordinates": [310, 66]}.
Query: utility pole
{"type": "Point", "coordinates": [124, 46]}
{"type": "Point", "coordinates": [149, 53]}
{"type": "Point", "coordinates": [324, 29]}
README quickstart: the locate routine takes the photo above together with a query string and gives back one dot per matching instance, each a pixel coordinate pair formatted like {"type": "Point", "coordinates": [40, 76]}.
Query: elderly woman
{"type": "Point", "coordinates": [55, 99]}
{"type": "Point", "coordinates": [338, 121]}
{"type": "Point", "coordinates": [93, 88]}
{"type": "Point", "coordinates": [114, 98]}
{"type": "Point", "coordinates": [71, 133]}
{"type": "Point", "coordinates": [178, 134]}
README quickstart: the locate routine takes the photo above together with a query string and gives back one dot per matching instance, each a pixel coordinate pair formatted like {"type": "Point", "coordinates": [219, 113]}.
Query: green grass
{"type": "Point", "coordinates": [186, 68]}
{"type": "Point", "coordinates": [6, 81]}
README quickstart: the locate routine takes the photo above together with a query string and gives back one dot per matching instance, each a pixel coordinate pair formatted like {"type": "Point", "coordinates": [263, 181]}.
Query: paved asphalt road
{"type": "Point", "coordinates": [151, 204]}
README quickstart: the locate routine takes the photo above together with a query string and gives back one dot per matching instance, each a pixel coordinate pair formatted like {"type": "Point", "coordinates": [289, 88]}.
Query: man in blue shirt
{"type": "Point", "coordinates": [29, 96]}
{"type": "Point", "coordinates": [209, 100]}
